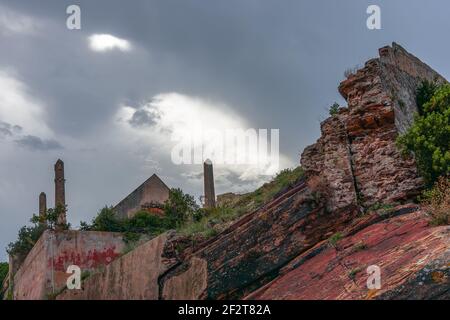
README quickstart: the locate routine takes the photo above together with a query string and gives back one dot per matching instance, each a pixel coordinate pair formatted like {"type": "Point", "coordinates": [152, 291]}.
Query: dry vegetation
{"type": "Point", "coordinates": [436, 202]}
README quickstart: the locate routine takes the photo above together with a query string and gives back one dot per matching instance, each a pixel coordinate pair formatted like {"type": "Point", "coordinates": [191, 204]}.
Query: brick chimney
{"type": "Point", "coordinates": [60, 192]}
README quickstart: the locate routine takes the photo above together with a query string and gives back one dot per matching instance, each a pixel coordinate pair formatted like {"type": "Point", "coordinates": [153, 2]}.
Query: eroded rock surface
{"type": "Point", "coordinates": [356, 154]}
{"type": "Point", "coordinates": [401, 246]}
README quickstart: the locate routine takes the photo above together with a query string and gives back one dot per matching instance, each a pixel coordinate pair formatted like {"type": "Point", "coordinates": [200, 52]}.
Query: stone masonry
{"type": "Point", "coordinates": [210, 196]}
{"type": "Point", "coordinates": [42, 207]}
{"type": "Point", "coordinates": [60, 190]}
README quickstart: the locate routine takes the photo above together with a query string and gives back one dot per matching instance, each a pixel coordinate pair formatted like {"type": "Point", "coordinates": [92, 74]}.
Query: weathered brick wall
{"type": "Point", "coordinates": [54, 252]}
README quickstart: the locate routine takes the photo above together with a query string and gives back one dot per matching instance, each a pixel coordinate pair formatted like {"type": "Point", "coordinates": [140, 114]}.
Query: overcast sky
{"type": "Point", "coordinates": [106, 98]}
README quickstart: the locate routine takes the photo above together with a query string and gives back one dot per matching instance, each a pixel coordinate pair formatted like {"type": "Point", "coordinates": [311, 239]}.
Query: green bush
{"type": "Point", "coordinates": [4, 268]}
{"type": "Point", "coordinates": [334, 239]}
{"type": "Point", "coordinates": [424, 94]}
{"type": "Point", "coordinates": [141, 223]}
{"type": "Point", "coordinates": [181, 207]}
{"type": "Point", "coordinates": [429, 136]}
{"type": "Point", "coordinates": [28, 236]}
{"type": "Point", "coordinates": [334, 109]}
{"type": "Point", "coordinates": [105, 220]}
{"type": "Point", "coordinates": [205, 226]}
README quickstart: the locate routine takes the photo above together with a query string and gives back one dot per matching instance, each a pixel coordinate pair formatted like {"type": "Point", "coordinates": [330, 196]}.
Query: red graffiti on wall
{"type": "Point", "coordinates": [87, 260]}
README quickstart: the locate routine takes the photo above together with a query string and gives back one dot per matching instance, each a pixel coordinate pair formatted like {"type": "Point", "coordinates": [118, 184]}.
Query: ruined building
{"type": "Point", "coordinates": [149, 196]}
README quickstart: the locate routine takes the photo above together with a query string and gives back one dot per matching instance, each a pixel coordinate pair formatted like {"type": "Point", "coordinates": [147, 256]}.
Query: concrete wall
{"type": "Point", "coordinates": [47, 262]}
{"type": "Point", "coordinates": [134, 276]}
{"type": "Point", "coordinates": [151, 191]}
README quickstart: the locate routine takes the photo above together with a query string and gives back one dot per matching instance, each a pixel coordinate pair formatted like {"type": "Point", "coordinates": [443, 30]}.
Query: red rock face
{"type": "Point", "coordinates": [401, 246]}
{"type": "Point", "coordinates": [356, 154]}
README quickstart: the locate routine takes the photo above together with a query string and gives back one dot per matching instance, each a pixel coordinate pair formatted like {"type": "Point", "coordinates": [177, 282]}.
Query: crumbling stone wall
{"type": "Point", "coordinates": [47, 262]}
{"type": "Point", "coordinates": [134, 276]}
{"type": "Point", "coordinates": [381, 103]}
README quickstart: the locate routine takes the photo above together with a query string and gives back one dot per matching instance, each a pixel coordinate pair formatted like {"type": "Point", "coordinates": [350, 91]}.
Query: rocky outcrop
{"type": "Point", "coordinates": [356, 154]}
{"type": "Point", "coordinates": [412, 256]}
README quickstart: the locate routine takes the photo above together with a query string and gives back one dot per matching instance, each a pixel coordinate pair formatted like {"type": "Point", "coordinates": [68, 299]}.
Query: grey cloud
{"type": "Point", "coordinates": [37, 144]}
{"type": "Point", "coordinates": [8, 130]}
{"type": "Point", "coordinates": [197, 175]}
{"type": "Point", "coordinates": [142, 118]}
{"type": "Point", "coordinates": [5, 131]}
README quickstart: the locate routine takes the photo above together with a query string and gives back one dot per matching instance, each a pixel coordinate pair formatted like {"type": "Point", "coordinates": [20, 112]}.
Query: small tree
{"type": "Point", "coordinates": [4, 268]}
{"type": "Point", "coordinates": [105, 220]}
{"type": "Point", "coordinates": [50, 218]}
{"type": "Point", "coordinates": [334, 109]}
{"type": "Point", "coordinates": [425, 92]}
{"type": "Point", "coordinates": [28, 236]}
{"type": "Point", "coordinates": [429, 137]}
{"type": "Point", "coordinates": [142, 223]}
{"type": "Point", "coordinates": [180, 207]}
{"type": "Point", "coordinates": [26, 240]}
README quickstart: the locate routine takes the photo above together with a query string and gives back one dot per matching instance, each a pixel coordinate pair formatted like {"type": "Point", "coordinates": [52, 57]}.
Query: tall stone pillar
{"type": "Point", "coordinates": [208, 176]}
{"type": "Point", "coordinates": [42, 208]}
{"type": "Point", "coordinates": [60, 191]}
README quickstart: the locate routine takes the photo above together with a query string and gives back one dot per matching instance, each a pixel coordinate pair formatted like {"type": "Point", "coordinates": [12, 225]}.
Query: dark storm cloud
{"type": "Point", "coordinates": [37, 144]}
{"type": "Point", "coordinates": [277, 63]}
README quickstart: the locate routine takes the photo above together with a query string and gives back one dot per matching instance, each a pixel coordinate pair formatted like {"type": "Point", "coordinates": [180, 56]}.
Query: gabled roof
{"type": "Point", "coordinates": [153, 178]}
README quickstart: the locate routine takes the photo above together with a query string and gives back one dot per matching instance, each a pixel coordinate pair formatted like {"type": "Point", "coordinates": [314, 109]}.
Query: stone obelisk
{"type": "Point", "coordinates": [42, 208]}
{"type": "Point", "coordinates": [208, 176]}
{"type": "Point", "coordinates": [60, 192]}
